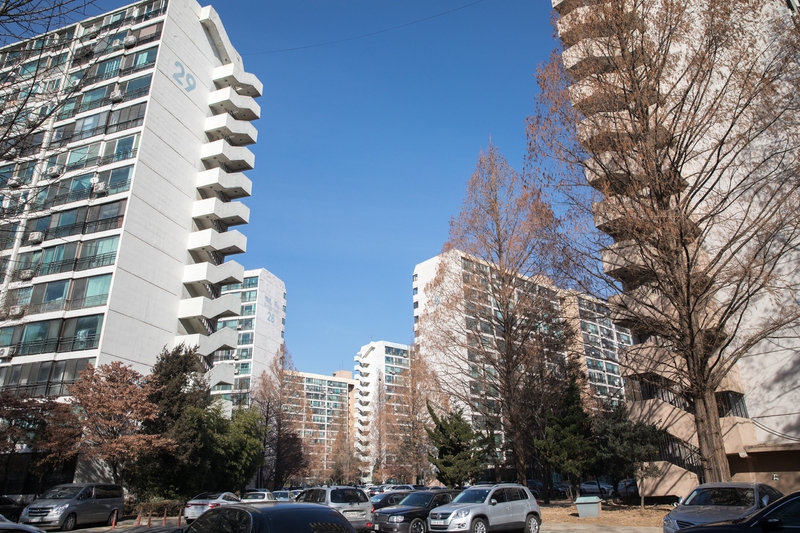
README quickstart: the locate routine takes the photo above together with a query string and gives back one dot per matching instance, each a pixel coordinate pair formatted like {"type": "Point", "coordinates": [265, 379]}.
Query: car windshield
{"type": "Point", "coordinates": [207, 496]}
{"type": "Point", "coordinates": [254, 496]}
{"type": "Point", "coordinates": [281, 494]}
{"type": "Point", "coordinates": [378, 498]}
{"type": "Point", "coordinates": [725, 496]}
{"type": "Point", "coordinates": [61, 493]}
{"type": "Point", "coordinates": [472, 496]}
{"type": "Point", "coordinates": [417, 500]}
{"type": "Point", "coordinates": [347, 496]}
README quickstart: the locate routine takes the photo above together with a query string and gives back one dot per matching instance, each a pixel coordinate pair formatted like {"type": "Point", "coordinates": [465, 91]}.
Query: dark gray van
{"type": "Point", "coordinates": [66, 506]}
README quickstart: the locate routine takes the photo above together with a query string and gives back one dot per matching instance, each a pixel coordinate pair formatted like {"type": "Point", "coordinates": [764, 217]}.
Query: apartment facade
{"type": "Point", "coordinates": [321, 408]}
{"type": "Point", "coordinates": [260, 329]}
{"type": "Point", "coordinates": [119, 209]}
{"type": "Point", "coordinates": [381, 372]}
{"type": "Point", "coordinates": [652, 164]}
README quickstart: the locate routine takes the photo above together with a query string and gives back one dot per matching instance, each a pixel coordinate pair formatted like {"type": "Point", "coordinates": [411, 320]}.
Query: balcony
{"type": "Point", "coordinates": [243, 82]}
{"type": "Point", "coordinates": [224, 339]}
{"type": "Point", "coordinates": [210, 240]}
{"type": "Point", "coordinates": [229, 213]}
{"type": "Point", "coordinates": [222, 154]}
{"type": "Point", "coordinates": [621, 131]}
{"type": "Point", "coordinates": [668, 417]}
{"type": "Point", "coordinates": [590, 55]}
{"type": "Point", "coordinates": [643, 309]}
{"type": "Point", "coordinates": [202, 307]}
{"type": "Point", "coordinates": [628, 260]}
{"type": "Point", "coordinates": [236, 132]}
{"type": "Point", "coordinates": [227, 100]}
{"type": "Point", "coordinates": [565, 6]}
{"type": "Point", "coordinates": [216, 180]}
{"type": "Point", "coordinates": [612, 171]}
{"type": "Point", "coordinates": [599, 92]}
{"type": "Point", "coordinates": [201, 274]}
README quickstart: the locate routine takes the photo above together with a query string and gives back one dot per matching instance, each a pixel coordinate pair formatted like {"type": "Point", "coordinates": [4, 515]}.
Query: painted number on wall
{"type": "Point", "coordinates": [184, 79]}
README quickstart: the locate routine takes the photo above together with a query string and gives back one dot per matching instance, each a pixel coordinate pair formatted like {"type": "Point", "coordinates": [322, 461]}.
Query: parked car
{"type": "Point", "coordinates": [205, 501]}
{"type": "Point", "coordinates": [259, 497]}
{"type": "Point", "coordinates": [780, 515]}
{"type": "Point", "coordinates": [385, 499]}
{"type": "Point", "coordinates": [11, 509]}
{"type": "Point", "coordinates": [72, 504]}
{"type": "Point", "coordinates": [596, 487]}
{"type": "Point", "coordinates": [627, 489]}
{"type": "Point", "coordinates": [403, 487]}
{"type": "Point", "coordinates": [714, 502]}
{"type": "Point", "coordinates": [271, 517]}
{"type": "Point", "coordinates": [283, 495]}
{"type": "Point", "coordinates": [8, 525]}
{"type": "Point", "coordinates": [488, 507]}
{"type": "Point", "coordinates": [352, 502]}
{"type": "Point", "coordinates": [411, 514]}
{"type": "Point", "coordinates": [295, 493]}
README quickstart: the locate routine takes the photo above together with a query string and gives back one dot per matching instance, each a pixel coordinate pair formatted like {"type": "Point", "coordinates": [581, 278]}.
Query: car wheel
{"type": "Point", "coordinates": [69, 523]}
{"type": "Point", "coordinates": [416, 526]}
{"type": "Point", "coordinates": [478, 526]}
{"type": "Point", "coordinates": [110, 520]}
{"type": "Point", "coordinates": [13, 517]}
{"type": "Point", "coordinates": [532, 524]}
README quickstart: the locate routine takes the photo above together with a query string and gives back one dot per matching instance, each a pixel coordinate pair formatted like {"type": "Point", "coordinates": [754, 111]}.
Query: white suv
{"type": "Point", "coordinates": [488, 507]}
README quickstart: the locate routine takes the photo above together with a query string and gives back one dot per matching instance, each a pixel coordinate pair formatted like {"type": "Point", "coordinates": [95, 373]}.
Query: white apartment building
{"type": "Point", "coordinates": [119, 208]}
{"type": "Point", "coordinates": [322, 411]}
{"type": "Point", "coordinates": [260, 328]}
{"type": "Point", "coordinates": [380, 368]}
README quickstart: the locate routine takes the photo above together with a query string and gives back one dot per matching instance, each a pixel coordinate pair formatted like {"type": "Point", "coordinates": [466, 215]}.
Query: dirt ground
{"type": "Point", "coordinates": [611, 514]}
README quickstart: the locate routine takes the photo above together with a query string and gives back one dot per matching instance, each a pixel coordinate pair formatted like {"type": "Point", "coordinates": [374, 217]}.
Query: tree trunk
{"type": "Point", "coordinates": [709, 435]}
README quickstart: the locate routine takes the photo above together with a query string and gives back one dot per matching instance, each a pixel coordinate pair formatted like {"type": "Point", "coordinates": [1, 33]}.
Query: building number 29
{"type": "Point", "coordinates": [184, 79]}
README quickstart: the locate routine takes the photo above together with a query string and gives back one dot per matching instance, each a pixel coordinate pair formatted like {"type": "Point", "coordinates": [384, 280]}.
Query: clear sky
{"type": "Point", "coordinates": [365, 147]}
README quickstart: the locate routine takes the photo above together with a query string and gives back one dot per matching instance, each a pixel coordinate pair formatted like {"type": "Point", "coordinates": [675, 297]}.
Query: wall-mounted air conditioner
{"type": "Point", "coordinates": [36, 237]}
{"type": "Point", "coordinates": [14, 182]}
{"type": "Point", "coordinates": [16, 311]}
{"type": "Point", "coordinates": [117, 44]}
{"type": "Point", "coordinates": [100, 188]}
{"type": "Point", "coordinates": [129, 41]}
{"type": "Point", "coordinates": [26, 275]}
{"type": "Point", "coordinates": [117, 96]}
{"type": "Point", "coordinates": [54, 171]}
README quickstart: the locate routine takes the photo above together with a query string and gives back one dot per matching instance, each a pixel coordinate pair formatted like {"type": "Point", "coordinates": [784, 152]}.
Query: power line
{"type": "Point", "coordinates": [363, 35]}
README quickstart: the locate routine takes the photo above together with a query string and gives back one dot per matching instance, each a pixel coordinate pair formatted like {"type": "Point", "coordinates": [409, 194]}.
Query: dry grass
{"type": "Point", "coordinates": [611, 514]}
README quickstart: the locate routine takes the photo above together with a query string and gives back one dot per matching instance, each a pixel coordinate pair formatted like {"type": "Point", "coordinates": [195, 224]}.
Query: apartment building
{"type": "Point", "coordinates": [260, 329]}
{"type": "Point", "coordinates": [380, 374]}
{"type": "Point", "coordinates": [119, 203]}
{"type": "Point", "coordinates": [665, 169]}
{"type": "Point", "coordinates": [322, 408]}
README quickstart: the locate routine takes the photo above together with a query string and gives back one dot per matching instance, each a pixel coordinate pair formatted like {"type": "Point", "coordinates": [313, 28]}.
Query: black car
{"type": "Point", "coordinates": [411, 514]}
{"type": "Point", "coordinates": [781, 515]}
{"type": "Point", "coordinates": [11, 509]}
{"type": "Point", "coordinates": [274, 517]}
{"type": "Point", "coordinates": [385, 499]}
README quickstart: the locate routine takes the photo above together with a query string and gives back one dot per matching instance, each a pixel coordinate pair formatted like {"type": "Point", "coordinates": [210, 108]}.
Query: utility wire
{"type": "Point", "coordinates": [364, 35]}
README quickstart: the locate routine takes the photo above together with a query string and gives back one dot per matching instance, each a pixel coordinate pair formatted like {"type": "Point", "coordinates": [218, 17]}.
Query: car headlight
{"type": "Point", "coordinates": [461, 513]}
{"type": "Point", "coordinates": [670, 523]}
{"type": "Point", "coordinates": [60, 508]}
{"type": "Point", "coordinates": [396, 518]}
{"type": "Point", "coordinates": [25, 512]}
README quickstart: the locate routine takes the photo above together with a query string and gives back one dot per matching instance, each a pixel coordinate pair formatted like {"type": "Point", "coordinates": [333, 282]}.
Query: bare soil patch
{"type": "Point", "coordinates": [611, 514]}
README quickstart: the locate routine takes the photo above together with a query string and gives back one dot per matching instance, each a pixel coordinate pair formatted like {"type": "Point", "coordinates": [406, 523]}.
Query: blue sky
{"type": "Point", "coordinates": [365, 147]}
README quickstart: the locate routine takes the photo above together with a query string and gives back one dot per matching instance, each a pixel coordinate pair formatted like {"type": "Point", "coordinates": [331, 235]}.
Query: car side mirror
{"type": "Point", "coordinates": [770, 524]}
{"type": "Point", "coordinates": [493, 502]}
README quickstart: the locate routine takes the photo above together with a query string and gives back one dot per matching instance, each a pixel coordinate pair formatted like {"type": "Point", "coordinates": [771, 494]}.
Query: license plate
{"type": "Point", "coordinates": [438, 522]}
{"type": "Point", "coordinates": [377, 527]}
{"type": "Point", "coordinates": [35, 519]}
{"type": "Point", "coordinates": [352, 513]}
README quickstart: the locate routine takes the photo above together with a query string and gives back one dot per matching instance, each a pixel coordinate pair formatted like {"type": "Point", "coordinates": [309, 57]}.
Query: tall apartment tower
{"type": "Point", "coordinates": [260, 328]}
{"type": "Point", "coordinates": [322, 410]}
{"type": "Point", "coordinates": [119, 207]}
{"type": "Point", "coordinates": [379, 373]}
{"type": "Point", "coordinates": [665, 170]}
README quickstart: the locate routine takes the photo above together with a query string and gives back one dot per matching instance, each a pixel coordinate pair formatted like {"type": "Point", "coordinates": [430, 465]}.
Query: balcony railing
{"type": "Point", "coordinates": [136, 68]}
{"type": "Point", "coordinates": [101, 160]}
{"type": "Point", "coordinates": [67, 265]}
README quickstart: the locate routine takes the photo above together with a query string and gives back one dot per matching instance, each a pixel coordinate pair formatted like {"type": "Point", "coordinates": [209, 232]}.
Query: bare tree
{"type": "Point", "coordinates": [345, 466]}
{"type": "Point", "coordinates": [274, 395]}
{"type": "Point", "coordinates": [490, 309]}
{"type": "Point", "coordinates": [684, 118]}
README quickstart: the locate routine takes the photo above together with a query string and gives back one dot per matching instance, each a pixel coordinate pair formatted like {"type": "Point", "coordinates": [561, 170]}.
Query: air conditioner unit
{"type": "Point", "coordinates": [16, 311]}
{"type": "Point", "coordinates": [92, 33]}
{"type": "Point", "coordinates": [100, 188]}
{"type": "Point", "coordinates": [235, 357]}
{"type": "Point", "coordinates": [33, 120]}
{"type": "Point", "coordinates": [26, 275]}
{"type": "Point", "coordinates": [14, 182]}
{"type": "Point", "coordinates": [35, 237]}
{"type": "Point", "coordinates": [117, 96]}
{"type": "Point", "coordinates": [11, 153]}
{"type": "Point", "coordinates": [75, 85]}
{"type": "Point", "coordinates": [117, 44]}
{"type": "Point", "coordinates": [55, 171]}
{"type": "Point", "coordinates": [8, 351]}
{"type": "Point", "coordinates": [129, 41]}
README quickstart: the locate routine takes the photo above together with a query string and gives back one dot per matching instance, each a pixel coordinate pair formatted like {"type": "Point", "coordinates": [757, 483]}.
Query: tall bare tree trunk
{"type": "Point", "coordinates": [709, 435]}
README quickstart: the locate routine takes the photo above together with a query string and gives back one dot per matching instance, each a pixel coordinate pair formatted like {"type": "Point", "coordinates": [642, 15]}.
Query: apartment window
{"type": "Point", "coordinates": [222, 324]}
{"type": "Point", "coordinates": [97, 253]}
{"type": "Point", "coordinates": [138, 61]}
{"type": "Point", "coordinates": [127, 117]}
{"type": "Point", "coordinates": [246, 324]}
{"type": "Point", "coordinates": [414, 291]}
{"type": "Point", "coordinates": [245, 338]}
{"type": "Point", "coordinates": [251, 282]}
{"type": "Point", "coordinates": [89, 292]}
{"type": "Point", "coordinates": [119, 149]}
{"type": "Point", "coordinates": [248, 310]}
{"type": "Point", "coordinates": [416, 305]}
{"type": "Point", "coordinates": [60, 258]}
{"type": "Point", "coordinates": [117, 180]}
{"type": "Point", "coordinates": [244, 353]}
{"type": "Point", "coordinates": [249, 296]}
{"type": "Point", "coordinates": [80, 333]}
{"type": "Point", "coordinates": [83, 156]}
{"type": "Point", "coordinates": [136, 87]}
{"type": "Point", "coordinates": [104, 217]}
